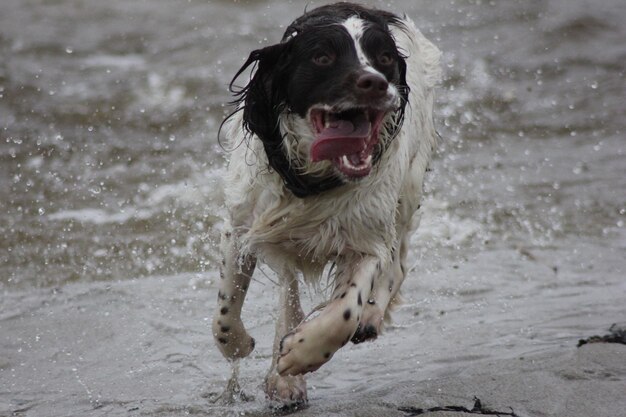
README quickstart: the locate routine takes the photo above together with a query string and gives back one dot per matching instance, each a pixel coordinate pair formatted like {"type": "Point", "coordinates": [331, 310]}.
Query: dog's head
{"type": "Point", "coordinates": [337, 86]}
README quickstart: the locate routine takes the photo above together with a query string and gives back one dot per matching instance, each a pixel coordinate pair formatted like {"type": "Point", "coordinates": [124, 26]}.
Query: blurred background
{"type": "Point", "coordinates": [110, 179]}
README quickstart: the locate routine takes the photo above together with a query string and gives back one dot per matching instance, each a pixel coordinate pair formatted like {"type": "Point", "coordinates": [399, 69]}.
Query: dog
{"type": "Point", "coordinates": [331, 138]}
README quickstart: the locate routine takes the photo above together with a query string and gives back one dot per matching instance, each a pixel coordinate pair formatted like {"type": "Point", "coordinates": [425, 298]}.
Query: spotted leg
{"type": "Point", "coordinates": [286, 390]}
{"type": "Point", "coordinates": [315, 341]}
{"type": "Point", "coordinates": [385, 291]}
{"type": "Point", "coordinates": [230, 335]}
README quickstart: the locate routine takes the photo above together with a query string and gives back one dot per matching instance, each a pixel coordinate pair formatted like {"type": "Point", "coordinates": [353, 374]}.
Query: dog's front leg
{"type": "Point", "coordinates": [386, 288]}
{"type": "Point", "coordinates": [315, 341]}
{"type": "Point", "coordinates": [286, 390]}
{"type": "Point", "coordinates": [386, 285]}
{"type": "Point", "coordinates": [230, 335]}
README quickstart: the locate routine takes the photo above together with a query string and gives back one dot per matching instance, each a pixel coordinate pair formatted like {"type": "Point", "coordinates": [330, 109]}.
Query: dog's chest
{"type": "Point", "coordinates": [322, 228]}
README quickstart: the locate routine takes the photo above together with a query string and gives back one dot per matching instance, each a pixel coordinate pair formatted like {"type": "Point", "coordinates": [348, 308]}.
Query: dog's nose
{"type": "Point", "coordinates": [372, 86]}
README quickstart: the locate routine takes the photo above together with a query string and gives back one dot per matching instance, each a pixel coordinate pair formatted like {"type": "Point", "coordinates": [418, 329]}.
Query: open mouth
{"type": "Point", "coordinates": [346, 138]}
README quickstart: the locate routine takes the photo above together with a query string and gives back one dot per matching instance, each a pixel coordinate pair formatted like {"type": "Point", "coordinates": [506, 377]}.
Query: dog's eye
{"type": "Point", "coordinates": [385, 59]}
{"type": "Point", "coordinates": [323, 59]}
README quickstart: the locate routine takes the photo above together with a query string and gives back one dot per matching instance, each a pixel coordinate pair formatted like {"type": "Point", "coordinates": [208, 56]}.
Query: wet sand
{"type": "Point", "coordinates": [141, 347]}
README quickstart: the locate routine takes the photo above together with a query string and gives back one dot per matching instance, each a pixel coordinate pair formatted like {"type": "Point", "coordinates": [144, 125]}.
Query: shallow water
{"type": "Point", "coordinates": [111, 202]}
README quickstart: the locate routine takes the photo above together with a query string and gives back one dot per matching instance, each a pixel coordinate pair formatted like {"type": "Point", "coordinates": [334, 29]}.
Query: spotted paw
{"type": "Point", "coordinates": [286, 391]}
{"type": "Point", "coordinates": [371, 324]}
{"type": "Point", "coordinates": [232, 339]}
{"type": "Point", "coordinates": [313, 343]}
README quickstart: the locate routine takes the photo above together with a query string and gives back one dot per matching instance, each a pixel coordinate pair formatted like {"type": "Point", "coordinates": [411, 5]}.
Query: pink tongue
{"type": "Point", "coordinates": [342, 137]}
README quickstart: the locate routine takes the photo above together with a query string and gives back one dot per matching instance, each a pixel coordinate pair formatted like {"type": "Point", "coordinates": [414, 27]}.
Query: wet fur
{"type": "Point", "coordinates": [363, 227]}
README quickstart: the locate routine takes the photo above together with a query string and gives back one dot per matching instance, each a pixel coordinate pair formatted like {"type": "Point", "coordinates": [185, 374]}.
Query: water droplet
{"type": "Point", "coordinates": [69, 50]}
{"type": "Point", "coordinates": [41, 211]}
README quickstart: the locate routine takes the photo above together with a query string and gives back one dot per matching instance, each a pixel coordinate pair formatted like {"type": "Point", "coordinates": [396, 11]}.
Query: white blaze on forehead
{"type": "Point", "coordinates": [356, 27]}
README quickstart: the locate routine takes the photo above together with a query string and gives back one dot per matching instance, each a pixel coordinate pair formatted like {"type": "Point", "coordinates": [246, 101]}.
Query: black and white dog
{"type": "Point", "coordinates": [337, 121]}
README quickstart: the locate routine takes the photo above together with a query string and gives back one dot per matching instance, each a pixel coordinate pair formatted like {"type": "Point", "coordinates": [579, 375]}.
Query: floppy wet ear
{"type": "Point", "coordinates": [263, 97]}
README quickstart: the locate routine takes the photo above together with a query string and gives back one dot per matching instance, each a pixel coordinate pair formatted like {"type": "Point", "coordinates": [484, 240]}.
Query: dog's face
{"type": "Point", "coordinates": [339, 71]}
{"type": "Point", "coordinates": [343, 82]}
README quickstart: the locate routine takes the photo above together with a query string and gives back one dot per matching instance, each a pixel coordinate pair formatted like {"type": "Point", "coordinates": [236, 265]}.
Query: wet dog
{"type": "Point", "coordinates": [331, 137]}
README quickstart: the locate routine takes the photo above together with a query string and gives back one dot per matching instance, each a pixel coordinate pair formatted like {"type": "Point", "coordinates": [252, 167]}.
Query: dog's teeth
{"type": "Point", "coordinates": [363, 165]}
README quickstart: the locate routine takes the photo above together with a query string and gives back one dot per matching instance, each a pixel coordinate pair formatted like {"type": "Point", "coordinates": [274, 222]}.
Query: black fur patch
{"type": "Point", "coordinates": [363, 334]}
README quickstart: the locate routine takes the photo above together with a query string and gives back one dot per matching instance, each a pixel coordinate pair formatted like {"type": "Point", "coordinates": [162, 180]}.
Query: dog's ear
{"type": "Point", "coordinates": [262, 99]}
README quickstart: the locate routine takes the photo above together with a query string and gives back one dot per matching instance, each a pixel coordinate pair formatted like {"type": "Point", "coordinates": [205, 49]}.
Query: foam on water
{"type": "Point", "coordinates": [100, 216]}
{"type": "Point", "coordinates": [440, 227]}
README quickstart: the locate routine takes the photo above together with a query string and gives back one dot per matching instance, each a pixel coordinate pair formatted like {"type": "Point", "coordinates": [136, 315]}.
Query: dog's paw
{"type": "Point", "coordinates": [314, 342]}
{"type": "Point", "coordinates": [286, 391]}
{"type": "Point", "coordinates": [299, 357]}
{"type": "Point", "coordinates": [371, 324]}
{"type": "Point", "coordinates": [232, 339]}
